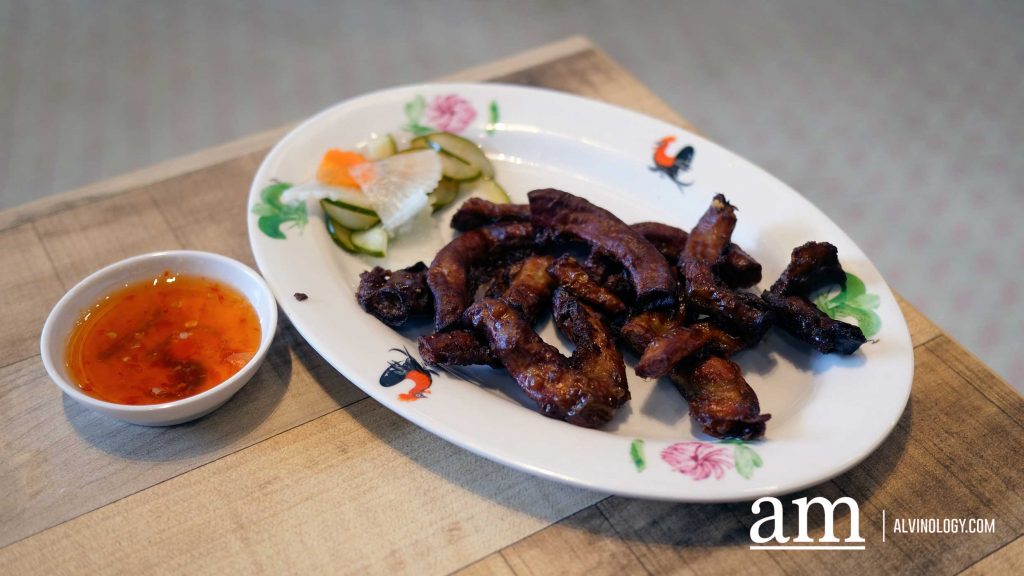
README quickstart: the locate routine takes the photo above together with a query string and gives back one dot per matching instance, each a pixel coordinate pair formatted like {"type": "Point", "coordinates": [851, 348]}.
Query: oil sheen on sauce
{"type": "Point", "coordinates": [162, 339]}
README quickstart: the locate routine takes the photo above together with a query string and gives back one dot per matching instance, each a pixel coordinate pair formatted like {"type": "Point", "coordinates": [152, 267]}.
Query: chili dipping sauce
{"type": "Point", "coordinates": [162, 339]}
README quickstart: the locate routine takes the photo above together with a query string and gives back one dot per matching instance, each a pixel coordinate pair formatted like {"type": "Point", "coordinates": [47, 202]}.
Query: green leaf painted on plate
{"type": "Point", "coordinates": [414, 113]}
{"type": "Point", "coordinates": [494, 116]}
{"type": "Point", "coordinates": [864, 301]}
{"type": "Point", "coordinates": [852, 302]}
{"type": "Point", "coordinates": [865, 318]}
{"type": "Point", "coordinates": [271, 195]}
{"type": "Point", "coordinates": [636, 452]}
{"type": "Point", "coordinates": [418, 129]}
{"type": "Point", "coordinates": [746, 460]}
{"type": "Point", "coordinates": [854, 286]}
{"type": "Point", "coordinates": [414, 109]}
{"type": "Point", "coordinates": [271, 226]}
{"type": "Point", "coordinates": [273, 213]}
{"type": "Point", "coordinates": [829, 298]}
{"type": "Point", "coordinates": [264, 209]}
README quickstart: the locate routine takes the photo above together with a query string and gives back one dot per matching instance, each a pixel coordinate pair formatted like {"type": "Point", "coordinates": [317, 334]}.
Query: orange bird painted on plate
{"type": "Point", "coordinates": [660, 157]}
{"type": "Point", "coordinates": [399, 371]}
{"type": "Point", "coordinates": [672, 165]}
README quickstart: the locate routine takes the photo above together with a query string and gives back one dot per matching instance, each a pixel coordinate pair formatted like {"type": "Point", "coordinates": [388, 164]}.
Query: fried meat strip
{"type": "Point", "coordinates": [450, 272]}
{"type": "Point", "coordinates": [811, 266]}
{"type": "Point", "coordinates": [682, 343]}
{"type": "Point", "coordinates": [724, 406]}
{"type": "Point", "coordinates": [738, 312]}
{"type": "Point", "coordinates": [610, 275]}
{"type": "Point", "coordinates": [642, 328]}
{"type": "Point", "coordinates": [737, 268]}
{"type": "Point", "coordinates": [456, 348]}
{"type": "Point", "coordinates": [528, 291]}
{"type": "Point", "coordinates": [393, 297]}
{"type": "Point", "coordinates": [801, 318]}
{"type": "Point", "coordinates": [584, 390]}
{"type": "Point", "coordinates": [530, 286]}
{"type": "Point", "coordinates": [720, 399]}
{"type": "Point", "coordinates": [734, 267]}
{"type": "Point", "coordinates": [712, 233]}
{"type": "Point", "coordinates": [477, 212]}
{"type": "Point", "coordinates": [573, 277]}
{"type": "Point", "coordinates": [559, 215]}
{"type": "Point", "coordinates": [596, 356]}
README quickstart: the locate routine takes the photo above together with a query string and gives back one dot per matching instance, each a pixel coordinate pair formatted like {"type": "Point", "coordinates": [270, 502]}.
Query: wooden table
{"type": "Point", "coordinates": [303, 472]}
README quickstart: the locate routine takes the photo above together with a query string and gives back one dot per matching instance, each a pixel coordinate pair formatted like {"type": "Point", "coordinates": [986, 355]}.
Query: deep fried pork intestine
{"type": "Point", "coordinates": [525, 285]}
{"type": "Point", "coordinates": [394, 297]}
{"type": "Point", "coordinates": [734, 267]}
{"type": "Point", "coordinates": [812, 266]}
{"type": "Point", "coordinates": [573, 277]}
{"type": "Point", "coordinates": [585, 389]}
{"type": "Point", "coordinates": [720, 399]}
{"type": "Point", "coordinates": [688, 331]}
{"type": "Point", "coordinates": [450, 273]}
{"type": "Point", "coordinates": [738, 312]}
{"type": "Point", "coordinates": [557, 215]}
{"type": "Point", "coordinates": [477, 212]}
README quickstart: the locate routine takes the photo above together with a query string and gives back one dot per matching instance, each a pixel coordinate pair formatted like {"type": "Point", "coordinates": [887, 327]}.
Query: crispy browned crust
{"type": "Point", "coordinates": [643, 327]}
{"type": "Point", "coordinates": [456, 348]}
{"type": "Point", "coordinates": [477, 212]}
{"type": "Point", "coordinates": [801, 318]}
{"type": "Point", "coordinates": [449, 273]}
{"type": "Point", "coordinates": [720, 399]}
{"type": "Point", "coordinates": [685, 343]}
{"type": "Point", "coordinates": [712, 233]}
{"type": "Point", "coordinates": [573, 277]}
{"type": "Point", "coordinates": [394, 297]}
{"type": "Point", "coordinates": [737, 312]}
{"type": "Point", "coordinates": [811, 266]}
{"type": "Point", "coordinates": [527, 289]}
{"type": "Point", "coordinates": [530, 286]}
{"type": "Point", "coordinates": [573, 390]}
{"type": "Point", "coordinates": [734, 267]}
{"type": "Point", "coordinates": [737, 269]}
{"type": "Point", "coordinates": [596, 355]}
{"type": "Point", "coordinates": [559, 215]}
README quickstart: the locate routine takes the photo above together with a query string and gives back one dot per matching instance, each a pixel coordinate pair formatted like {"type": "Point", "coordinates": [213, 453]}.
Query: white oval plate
{"type": "Point", "coordinates": [828, 412]}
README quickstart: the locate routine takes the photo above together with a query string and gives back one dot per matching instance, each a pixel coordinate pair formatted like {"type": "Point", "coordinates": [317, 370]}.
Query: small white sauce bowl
{"type": "Point", "coordinates": [54, 340]}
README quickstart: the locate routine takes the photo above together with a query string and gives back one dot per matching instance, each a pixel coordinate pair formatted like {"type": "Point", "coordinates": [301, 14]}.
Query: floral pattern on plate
{"type": "Point", "coordinates": [445, 113]}
{"type": "Point", "coordinates": [702, 460]}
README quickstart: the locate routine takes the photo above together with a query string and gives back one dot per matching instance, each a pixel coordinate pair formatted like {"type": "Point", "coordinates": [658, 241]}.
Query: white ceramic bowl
{"type": "Point", "coordinates": [53, 342]}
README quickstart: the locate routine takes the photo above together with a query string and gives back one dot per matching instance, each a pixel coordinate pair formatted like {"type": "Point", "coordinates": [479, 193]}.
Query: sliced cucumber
{"type": "Point", "coordinates": [453, 166]}
{"type": "Point", "coordinates": [341, 235]}
{"type": "Point", "coordinates": [344, 214]}
{"type": "Point", "coordinates": [464, 150]}
{"type": "Point", "coordinates": [350, 200]}
{"type": "Point", "coordinates": [419, 143]}
{"type": "Point", "coordinates": [373, 241]}
{"type": "Point", "coordinates": [444, 194]}
{"type": "Point", "coordinates": [381, 147]}
{"type": "Point", "coordinates": [456, 168]}
{"type": "Point", "coordinates": [488, 190]}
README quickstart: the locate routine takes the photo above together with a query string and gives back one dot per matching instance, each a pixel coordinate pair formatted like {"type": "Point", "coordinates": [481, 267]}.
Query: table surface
{"type": "Point", "coordinates": [302, 471]}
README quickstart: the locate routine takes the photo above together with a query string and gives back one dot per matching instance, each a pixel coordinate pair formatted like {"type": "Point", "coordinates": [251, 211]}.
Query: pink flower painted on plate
{"type": "Point", "coordinates": [697, 459]}
{"type": "Point", "coordinates": [450, 113]}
